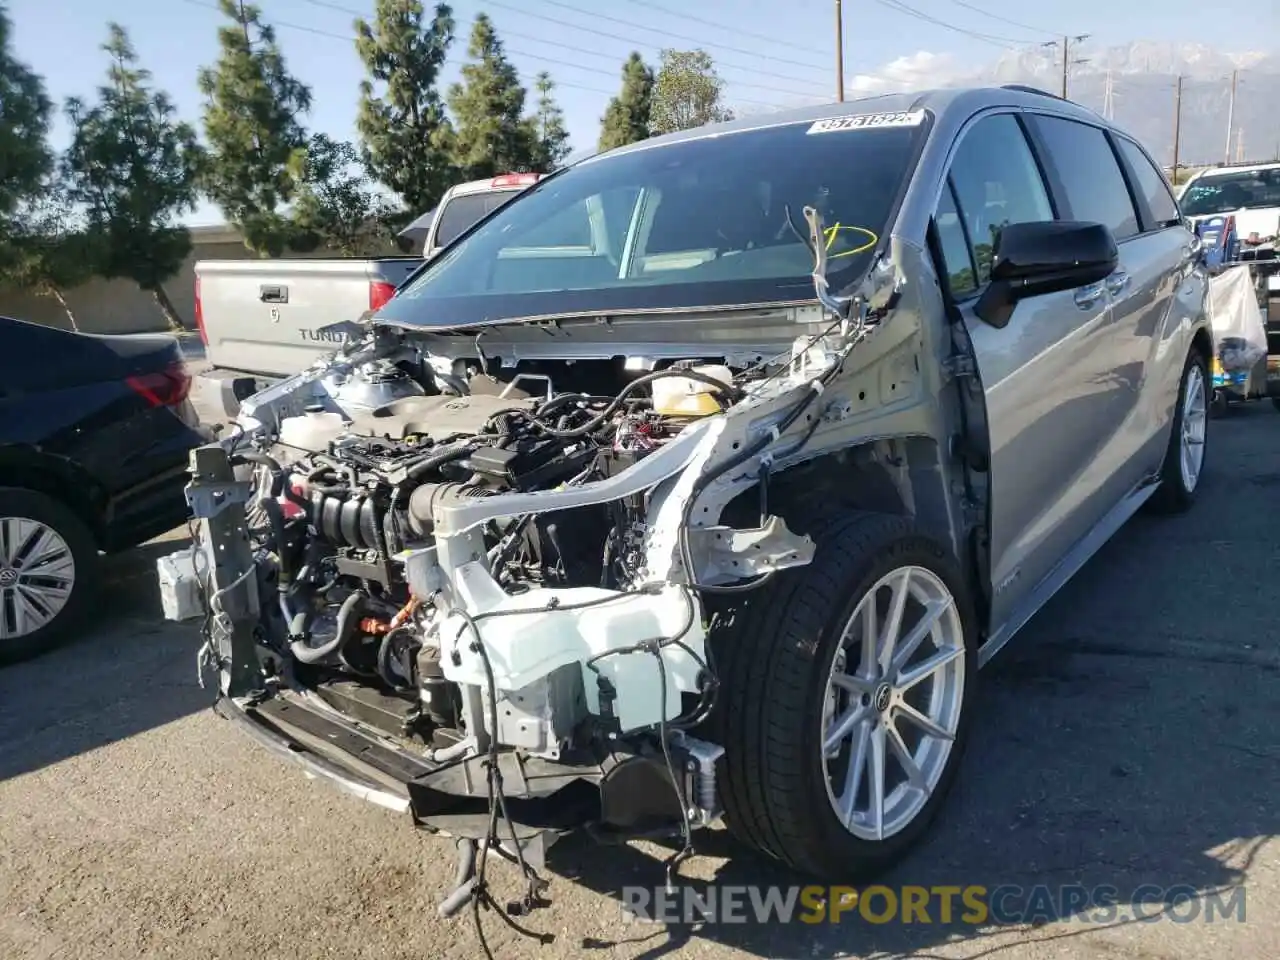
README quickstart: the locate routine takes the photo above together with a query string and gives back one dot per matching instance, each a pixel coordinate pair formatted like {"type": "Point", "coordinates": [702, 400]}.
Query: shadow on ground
{"type": "Point", "coordinates": [1122, 752]}
{"type": "Point", "coordinates": [128, 672]}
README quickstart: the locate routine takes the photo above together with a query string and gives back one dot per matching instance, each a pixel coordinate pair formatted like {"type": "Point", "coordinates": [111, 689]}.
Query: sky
{"type": "Point", "coordinates": [770, 53]}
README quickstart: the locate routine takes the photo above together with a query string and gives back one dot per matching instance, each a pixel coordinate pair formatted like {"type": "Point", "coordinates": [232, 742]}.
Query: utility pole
{"type": "Point", "coordinates": [1065, 61]}
{"type": "Point", "coordinates": [1108, 98]}
{"type": "Point", "coordinates": [1177, 127]}
{"type": "Point", "coordinates": [1231, 111]}
{"type": "Point", "coordinates": [1066, 56]}
{"type": "Point", "coordinates": [839, 53]}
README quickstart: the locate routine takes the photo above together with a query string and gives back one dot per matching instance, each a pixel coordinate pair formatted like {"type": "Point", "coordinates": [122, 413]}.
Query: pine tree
{"type": "Point", "coordinates": [43, 247]}
{"type": "Point", "coordinates": [337, 206]}
{"type": "Point", "coordinates": [133, 168]}
{"type": "Point", "coordinates": [687, 92]}
{"type": "Point", "coordinates": [492, 135]}
{"type": "Point", "coordinates": [404, 129]}
{"type": "Point", "coordinates": [627, 117]}
{"type": "Point", "coordinates": [256, 141]}
{"type": "Point", "coordinates": [25, 157]}
{"type": "Point", "coordinates": [48, 250]}
{"type": "Point", "coordinates": [550, 134]}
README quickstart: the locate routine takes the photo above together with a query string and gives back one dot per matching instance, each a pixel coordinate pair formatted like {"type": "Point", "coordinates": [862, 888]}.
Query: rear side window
{"type": "Point", "coordinates": [1151, 184]}
{"type": "Point", "coordinates": [997, 183]}
{"type": "Point", "coordinates": [1086, 165]}
{"type": "Point", "coordinates": [463, 210]}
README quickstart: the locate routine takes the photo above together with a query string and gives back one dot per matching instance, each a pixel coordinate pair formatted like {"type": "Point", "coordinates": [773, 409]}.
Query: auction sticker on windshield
{"type": "Point", "coordinates": [906, 118]}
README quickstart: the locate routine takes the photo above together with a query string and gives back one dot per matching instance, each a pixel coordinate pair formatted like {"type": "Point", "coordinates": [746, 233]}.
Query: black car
{"type": "Point", "coordinates": [95, 433]}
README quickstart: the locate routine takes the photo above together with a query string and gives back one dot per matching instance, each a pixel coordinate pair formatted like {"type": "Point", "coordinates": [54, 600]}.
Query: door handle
{"type": "Point", "coordinates": [1087, 297]}
{"type": "Point", "coordinates": [1117, 282]}
{"type": "Point", "coordinates": [273, 294]}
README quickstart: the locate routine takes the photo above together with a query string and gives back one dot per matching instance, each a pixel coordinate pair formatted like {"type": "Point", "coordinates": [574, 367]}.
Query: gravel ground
{"type": "Point", "coordinates": [1127, 737]}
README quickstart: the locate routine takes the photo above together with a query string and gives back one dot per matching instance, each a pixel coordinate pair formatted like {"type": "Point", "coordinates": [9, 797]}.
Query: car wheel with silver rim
{"type": "Point", "coordinates": [1184, 462]}
{"type": "Point", "coordinates": [47, 567]}
{"type": "Point", "coordinates": [847, 694]}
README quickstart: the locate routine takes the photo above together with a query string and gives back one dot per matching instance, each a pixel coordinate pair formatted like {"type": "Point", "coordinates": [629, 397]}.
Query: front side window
{"type": "Point", "coordinates": [1151, 183]}
{"type": "Point", "coordinates": [1215, 193]}
{"type": "Point", "coordinates": [1085, 163]}
{"type": "Point", "coordinates": [997, 183]}
{"type": "Point", "coordinates": [710, 221]}
{"type": "Point", "coordinates": [955, 246]}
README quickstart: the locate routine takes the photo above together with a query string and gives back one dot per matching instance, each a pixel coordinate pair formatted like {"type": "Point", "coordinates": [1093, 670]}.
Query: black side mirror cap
{"type": "Point", "coordinates": [1034, 259]}
{"type": "Point", "coordinates": [995, 306]}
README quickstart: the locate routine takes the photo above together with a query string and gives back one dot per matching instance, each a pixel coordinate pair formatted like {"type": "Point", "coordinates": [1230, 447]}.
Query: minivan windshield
{"type": "Point", "coordinates": [695, 223]}
{"type": "Point", "coordinates": [1228, 192]}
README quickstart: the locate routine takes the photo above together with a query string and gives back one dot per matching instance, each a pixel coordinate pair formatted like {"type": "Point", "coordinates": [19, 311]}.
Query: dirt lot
{"type": "Point", "coordinates": [1127, 738]}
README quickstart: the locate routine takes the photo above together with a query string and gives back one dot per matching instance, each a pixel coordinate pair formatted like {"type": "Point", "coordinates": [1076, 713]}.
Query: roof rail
{"type": "Point", "coordinates": [1027, 88]}
{"type": "Point", "coordinates": [1246, 163]}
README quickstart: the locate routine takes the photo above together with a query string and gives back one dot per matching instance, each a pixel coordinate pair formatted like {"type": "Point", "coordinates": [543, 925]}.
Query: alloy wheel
{"type": "Point", "coordinates": [1195, 414]}
{"type": "Point", "coordinates": [893, 703]}
{"type": "Point", "coordinates": [37, 576]}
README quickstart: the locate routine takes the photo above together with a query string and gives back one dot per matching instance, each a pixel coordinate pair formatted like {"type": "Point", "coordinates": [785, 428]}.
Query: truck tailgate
{"type": "Point", "coordinates": [267, 316]}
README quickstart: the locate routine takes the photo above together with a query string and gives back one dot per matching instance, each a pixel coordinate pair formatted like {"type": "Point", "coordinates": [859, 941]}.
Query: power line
{"type": "Point", "coordinates": [920, 15]}
{"type": "Point", "coordinates": [753, 71]}
{"type": "Point", "coordinates": [996, 16]}
{"type": "Point", "coordinates": [283, 24]}
{"type": "Point", "coordinates": [773, 41]}
{"type": "Point", "coordinates": [329, 34]}
{"type": "Point", "coordinates": [755, 55]}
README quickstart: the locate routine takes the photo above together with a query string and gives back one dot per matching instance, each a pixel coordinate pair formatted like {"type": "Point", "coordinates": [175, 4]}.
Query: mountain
{"type": "Point", "coordinates": [1143, 78]}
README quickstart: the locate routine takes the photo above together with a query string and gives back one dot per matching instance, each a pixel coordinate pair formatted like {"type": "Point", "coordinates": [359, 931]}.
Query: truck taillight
{"type": "Point", "coordinates": [379, 293]}
{"type": "Point", "coordinates": [514, 180]}
{"type": "Point", "coordinates": [204, 337]}
{"type": "Point", "coordinates": [167, 388]}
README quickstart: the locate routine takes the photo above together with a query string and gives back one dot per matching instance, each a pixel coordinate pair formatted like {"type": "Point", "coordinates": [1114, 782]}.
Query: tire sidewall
{"type": "Point", "coordinates": [911, 549]}
{"type": "Point", "coordinates": [18, 502]}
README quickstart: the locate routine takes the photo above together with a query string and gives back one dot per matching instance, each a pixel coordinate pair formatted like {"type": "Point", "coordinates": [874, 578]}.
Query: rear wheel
{"type": "Point", "coordinates": [1184, 458]}
{"type": "Point", "coordinates": [48, 568]}
{"type": "Point", "coordinates": [847, 700]}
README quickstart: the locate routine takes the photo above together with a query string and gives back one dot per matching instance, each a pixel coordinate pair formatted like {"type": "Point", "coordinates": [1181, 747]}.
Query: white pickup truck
{"type": "Point", "coordinates": [262, 320]}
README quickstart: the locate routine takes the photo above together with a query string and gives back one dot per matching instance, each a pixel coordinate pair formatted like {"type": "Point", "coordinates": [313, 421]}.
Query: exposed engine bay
{"type": "Point", "coordinates": [473, 575]}
{"type": "Point", "coordinates": [351, 521]}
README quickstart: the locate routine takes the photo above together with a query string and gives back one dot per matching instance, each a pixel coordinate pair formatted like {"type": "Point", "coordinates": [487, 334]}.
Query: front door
{"type": "Point", "coordinates": [1051, 399]}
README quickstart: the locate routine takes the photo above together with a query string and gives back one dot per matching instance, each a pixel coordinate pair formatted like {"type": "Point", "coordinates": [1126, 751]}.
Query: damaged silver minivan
{"type": "Point", "coordinates": [699, 481]}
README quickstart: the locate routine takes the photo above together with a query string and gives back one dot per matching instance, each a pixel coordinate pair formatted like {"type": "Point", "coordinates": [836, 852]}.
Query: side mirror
{"type": "Point", "coordinates": [1032, 259]}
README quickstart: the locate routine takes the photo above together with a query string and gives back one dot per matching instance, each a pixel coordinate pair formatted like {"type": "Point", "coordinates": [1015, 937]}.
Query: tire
{"type": "Point", "coordinates": [72, 556]}
{"type": "Point", "coordinates": [1275, 402]}
{"type": "Point", "coordinates": [1219, 406]}
{"type": "Point", "coordinates": [774, 666]}
{"type": "Point", "coordinates": [1178, 489]}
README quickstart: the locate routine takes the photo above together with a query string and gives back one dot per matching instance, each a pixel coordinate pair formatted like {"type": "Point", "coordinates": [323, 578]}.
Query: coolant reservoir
{"type": "Point", "coordinates": [313, 430]}
{"type": "Point", "coordinates": [686, 397]}
{"type": "Point", "coordinates": [526, 638]}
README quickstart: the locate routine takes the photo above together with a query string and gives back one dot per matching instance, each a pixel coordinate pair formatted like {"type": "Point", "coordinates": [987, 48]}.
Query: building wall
{"type": "Point", "coordinates": [118, 306]}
